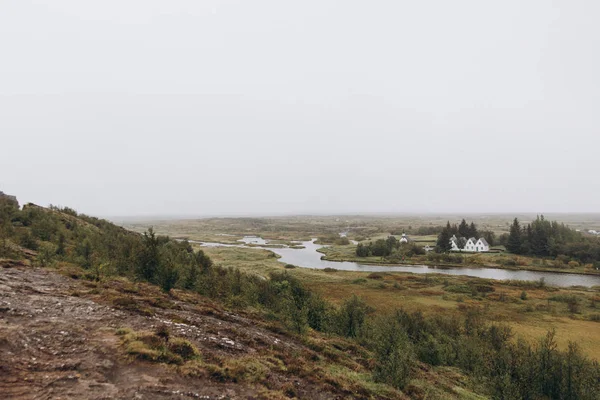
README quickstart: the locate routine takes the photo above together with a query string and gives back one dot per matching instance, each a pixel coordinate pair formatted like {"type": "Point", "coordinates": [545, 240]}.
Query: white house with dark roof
{"type": "Point", "coordinates": [472, 245]}
{"type": "Point", "coordinates": [482, 245]}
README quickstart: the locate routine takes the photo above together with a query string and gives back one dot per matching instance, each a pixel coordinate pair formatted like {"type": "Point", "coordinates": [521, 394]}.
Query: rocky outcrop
{"type": "Point", "coordinates": [8, 197]}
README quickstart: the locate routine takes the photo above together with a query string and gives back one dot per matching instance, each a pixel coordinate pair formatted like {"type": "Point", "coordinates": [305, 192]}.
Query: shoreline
{"type": "Point", "coordinates": [454, 265]}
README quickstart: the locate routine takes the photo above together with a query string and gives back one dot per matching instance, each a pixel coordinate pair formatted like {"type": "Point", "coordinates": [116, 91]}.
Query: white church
{"type": "Point", "coordinates": [472, 245]}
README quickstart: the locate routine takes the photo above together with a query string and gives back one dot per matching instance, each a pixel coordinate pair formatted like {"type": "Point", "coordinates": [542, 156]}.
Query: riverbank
{"type": "Point", "coordinates": [334, 254]}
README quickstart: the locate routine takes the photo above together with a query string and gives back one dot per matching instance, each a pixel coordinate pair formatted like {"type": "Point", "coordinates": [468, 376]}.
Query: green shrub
{"type": "Point", "coordinates": [523, 295]}
{"type": "Point", "coordinates": [183, 348]}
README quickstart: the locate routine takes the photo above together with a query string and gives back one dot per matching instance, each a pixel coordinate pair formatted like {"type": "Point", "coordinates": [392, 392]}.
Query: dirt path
{"type": "Point", "coordinates": [55, 343]}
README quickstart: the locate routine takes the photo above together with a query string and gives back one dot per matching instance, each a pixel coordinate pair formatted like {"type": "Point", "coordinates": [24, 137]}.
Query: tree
{"type": "Point", "coordinates": [318, 313]}
{"type": "Point", "coordinates": [352, 316]}
{"type": "Point", "coordinates": [380, 248]}
{"type": "Point", "coordinates": [443, 241]}
{"type": "Point", "coordinates": [149, 259]}
{"type": "Point", "coordinates": [295, 301]}
{"type": "Point", "coordinates": [489, 237]}
{"type": "Point", "coordinates": [167, 275]}
{"type": "Point", "coordinates": [392, 243]}
{"type": "Point", "coordinates": [204, 261]}
{"type": "Point", "coordinates": [463, 229]}
{"type": "Point", "coordinates": [362, 250]}
{"type": "Point", "coordinates": [539, 236]}
{"type": "Point", "coordinates": [393, 353]}
{"type": "Point", "coordinates": [514, 243]}
{"type": "Point", "coordinates": [473, 230]}
{"type": "Point", "coordinates": [60, 249]}
{"type": "Point", "coordinates": [46, 254]}
{"type": "Point", "coordinates": [192, 276]}
{"type": "Point", "coordinates": [84, 250]}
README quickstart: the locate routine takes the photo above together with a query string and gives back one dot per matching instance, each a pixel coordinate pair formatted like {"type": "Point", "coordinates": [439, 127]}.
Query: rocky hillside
{"type": "Point", "coordinates": [62, 336]}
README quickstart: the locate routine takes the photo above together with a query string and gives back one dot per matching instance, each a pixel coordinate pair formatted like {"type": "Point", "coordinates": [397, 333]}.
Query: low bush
{"type": "Point", "coordinates": [154, 348]}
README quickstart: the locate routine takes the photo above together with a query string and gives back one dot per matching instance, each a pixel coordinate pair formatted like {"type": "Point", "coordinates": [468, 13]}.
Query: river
{"type": "Point", "coordinates": [308, 257]}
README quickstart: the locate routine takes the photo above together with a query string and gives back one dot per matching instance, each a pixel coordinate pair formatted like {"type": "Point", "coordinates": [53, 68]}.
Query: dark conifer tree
{"type": "Point", "coordinates": [514, 243]}
{"type": "Point", "coordinates": [443, 241]}
{"type": "Point", "coordinates": [473, 230]}
{"type": "Point", "coordinates": [463, 229]}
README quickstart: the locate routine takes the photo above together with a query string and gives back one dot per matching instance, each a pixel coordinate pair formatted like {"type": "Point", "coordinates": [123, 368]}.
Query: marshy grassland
{"type": "Point", "coordinates": [366, 229]}
{"type": "Point", "coordinates": [371, 226]}
{"type": "Point", "coordinates": [501, 260]}
{"type": "Point", "coordinates": [527, 307]}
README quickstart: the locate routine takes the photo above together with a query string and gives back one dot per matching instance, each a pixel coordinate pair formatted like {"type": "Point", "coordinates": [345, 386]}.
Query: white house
{"type": "Point", "coordinates": [472, 245]}
{"type": "Point", "coordinates": [482, 245]}
{"type": "Point", "coordinates": [404, 238]}
{"type": "Point", "coordinates": [454, 243]}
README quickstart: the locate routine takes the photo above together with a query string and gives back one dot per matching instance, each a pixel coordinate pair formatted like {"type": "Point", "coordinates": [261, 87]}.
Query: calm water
{"type": "Point", "coordinates": [310, 258]}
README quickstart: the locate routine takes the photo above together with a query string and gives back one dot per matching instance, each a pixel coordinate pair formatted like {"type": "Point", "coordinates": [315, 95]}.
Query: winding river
{"type": "Point", "coordinates": [308, 257]}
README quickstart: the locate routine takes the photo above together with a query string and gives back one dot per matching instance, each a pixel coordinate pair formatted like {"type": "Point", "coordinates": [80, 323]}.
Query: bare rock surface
{"type": "Point", "coordinates": [58, 341]}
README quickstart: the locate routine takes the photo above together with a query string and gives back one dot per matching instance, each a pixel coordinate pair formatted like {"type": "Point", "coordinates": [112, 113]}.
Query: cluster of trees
{"type": "Point", "coordinates": [62, 235]}
{"type": "Point", "coordinates": [508, 369]}
{"type": "Point", "coordinates": [389, 248]}
{"type": "Point", "coordinates": [335, 239]}
{"type": "Point", "coordinates": [380, 248]}
{"type": "Point", "coordinates": [463, 231]}
{"type": "Point", "coordinates": [545, 238]}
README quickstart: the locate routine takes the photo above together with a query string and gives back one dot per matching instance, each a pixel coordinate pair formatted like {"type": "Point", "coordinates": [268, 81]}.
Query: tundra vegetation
{"type": "Point", "coordinates": [390, 347]}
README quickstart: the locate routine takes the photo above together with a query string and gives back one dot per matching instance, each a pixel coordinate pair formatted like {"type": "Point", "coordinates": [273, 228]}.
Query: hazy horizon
{"type": "Point", "coordinates": [265, 108]}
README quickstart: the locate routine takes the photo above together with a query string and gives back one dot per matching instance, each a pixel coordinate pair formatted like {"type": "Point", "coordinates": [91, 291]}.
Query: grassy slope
{"type": "Point", "coordinates": [531, 318]}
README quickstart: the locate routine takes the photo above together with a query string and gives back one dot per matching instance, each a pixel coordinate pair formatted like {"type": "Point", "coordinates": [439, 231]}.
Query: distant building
{"type": "Point", "coordinates": [471, 245]}
{"type": "Point", "coordinates": [404, 238]}
{"type": "Point", "coordinates": [482, 245]}
{"type": "Point", "coordinates": [454, 243]}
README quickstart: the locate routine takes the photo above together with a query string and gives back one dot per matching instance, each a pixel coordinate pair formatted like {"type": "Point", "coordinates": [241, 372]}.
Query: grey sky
{"type": "Point", "coordinates": [269, 107]}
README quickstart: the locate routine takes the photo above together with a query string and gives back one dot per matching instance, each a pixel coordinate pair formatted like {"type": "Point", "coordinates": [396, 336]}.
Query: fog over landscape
{"type": "Point", "coordinates": [141, 108]}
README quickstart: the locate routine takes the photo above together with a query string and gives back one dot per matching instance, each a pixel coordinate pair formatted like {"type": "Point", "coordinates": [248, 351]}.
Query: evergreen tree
{"type": "Point", "coordinates": [489, 237]}
{"type": "Point", "coordinates": [443, 241]}
{"type": "Point", "coordinates": [463, 229]}
{"type": "Point", "coordinates": [514, 242]}
{"type": "Point", "coordinates": [192, 276]}
{"type": "Point", "coordinates": [149, 258]}
{"type": "Point", "coordinates": [362, 250]}
{"type": "Point", "coordinates": [204, 262]}
{"type": "Point", "coordinates": [392, 243]}
{"type": "Point", "coordinates": [393, 353]}
{"type": "Point", "coordinates": [60, 249]}
{"type": "Point", "coordinates": [538, 240]}
{"type": "Point", "coordinates": [167, 276]}
{"type": "Point", "coordinates": [473, 230]}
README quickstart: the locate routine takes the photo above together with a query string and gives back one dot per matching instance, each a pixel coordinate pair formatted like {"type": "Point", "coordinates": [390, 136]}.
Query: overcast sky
{"type": "Point", "coordinates": [195, 107]}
